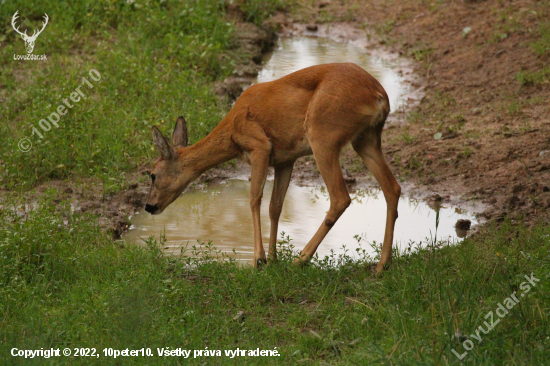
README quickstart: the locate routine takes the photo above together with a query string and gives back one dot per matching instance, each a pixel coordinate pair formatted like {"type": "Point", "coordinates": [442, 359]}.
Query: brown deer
{"type": "Point", "coordinates": [316, 111]}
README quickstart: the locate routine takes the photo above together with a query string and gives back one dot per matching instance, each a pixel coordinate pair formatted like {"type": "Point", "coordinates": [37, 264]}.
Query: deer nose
{"type": "Point", "coordinates": [150, 208]}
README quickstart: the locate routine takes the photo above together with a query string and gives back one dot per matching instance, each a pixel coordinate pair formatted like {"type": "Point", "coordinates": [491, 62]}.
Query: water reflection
{"type": "Point", "coordinates": [222, 214]}
{"type": "Point", "coordinates": [293, 54]}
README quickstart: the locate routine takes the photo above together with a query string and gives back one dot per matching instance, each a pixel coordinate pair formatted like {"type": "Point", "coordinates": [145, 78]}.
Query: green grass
{"type": "Point", "coordinates": [257, 11]}
{"type": "Point", "coordinates": [407, 137]}
{"type": "Point", "coordinates": [65, 284]}
{"type": "Point", "coordinates": [542, 46]}
{"type": "Point", "coordinates": [528, 78]}
{"type": "Point", "coordinates": [157, 60]}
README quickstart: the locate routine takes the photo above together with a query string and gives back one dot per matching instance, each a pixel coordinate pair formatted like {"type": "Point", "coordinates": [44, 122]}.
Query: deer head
{"type": "Point", "coordinates": [29, 41]}
{"type": "Point", "coordinates": [170, 175]}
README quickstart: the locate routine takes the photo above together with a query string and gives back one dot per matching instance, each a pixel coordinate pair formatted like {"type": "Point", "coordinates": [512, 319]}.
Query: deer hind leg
{"type": "Point", "coordinates": [327, 158]}
{"type": "Point", "coordinates": [259, 161]}
{"type": "Point", "coordinates": [280, 186]}
{"type": "Point", "coordinates": [369, 148]}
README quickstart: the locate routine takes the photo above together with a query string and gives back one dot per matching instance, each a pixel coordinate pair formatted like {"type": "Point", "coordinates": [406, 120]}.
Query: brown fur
{"type": "Point", "coordinates": [316, 111]}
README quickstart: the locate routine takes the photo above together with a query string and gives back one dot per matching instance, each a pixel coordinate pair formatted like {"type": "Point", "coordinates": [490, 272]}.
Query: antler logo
{"type": "Point", "coordinates": [29, 41]}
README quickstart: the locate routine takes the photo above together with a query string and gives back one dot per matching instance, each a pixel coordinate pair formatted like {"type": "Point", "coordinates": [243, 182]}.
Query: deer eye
{"type": "Point", "coordinates": [153, 178]}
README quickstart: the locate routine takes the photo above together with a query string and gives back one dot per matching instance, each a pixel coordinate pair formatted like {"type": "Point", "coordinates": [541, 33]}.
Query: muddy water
{"type": "Point", "coordinates": [296, 53]}
{"type": "Point", "coordinates": [221, 213]}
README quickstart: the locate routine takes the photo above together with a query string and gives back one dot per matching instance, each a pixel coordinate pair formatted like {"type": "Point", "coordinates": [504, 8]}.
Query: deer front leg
{"type": "Point", "coordinates": [259, 161]}
{"type": "Point", "coordinates": [280, 186]}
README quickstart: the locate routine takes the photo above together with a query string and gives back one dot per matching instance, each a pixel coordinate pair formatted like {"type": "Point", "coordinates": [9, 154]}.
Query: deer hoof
{"type": "Point", "coordinates": [301, 261]}
{"type": "Point", "coordinates": [381, 267]}
{"type": "Point", "coordinates": [260, 262]}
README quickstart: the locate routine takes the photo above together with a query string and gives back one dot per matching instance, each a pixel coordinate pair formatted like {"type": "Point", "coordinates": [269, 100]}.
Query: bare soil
{"type": "Point", "coordinates": [495, 133]}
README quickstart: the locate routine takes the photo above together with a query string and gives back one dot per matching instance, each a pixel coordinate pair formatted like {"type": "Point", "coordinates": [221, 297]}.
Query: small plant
{"type": "Point", "coordinates": [257, 10]}
{"type": "Point", "coordinates": [414, 163]}
{"type": "Point", "coordinates": [414, 117]}
{"type": "Point", "coordinates": [422, 54]}
{"type": "Point", "coordinates": [384, 29]}
{"type": "Point", "coordinates": [459, 121]}
{"type": "Point", "coordinates": [514, 108]}
{"type": "Point", "coordinates": [528, 78]}
{"type": "Point", "coordinates": [542, 46]}
{"type": "Point", "coordinates": [407, 137]}
{"type": "Point", "coordinates": [356, 166]}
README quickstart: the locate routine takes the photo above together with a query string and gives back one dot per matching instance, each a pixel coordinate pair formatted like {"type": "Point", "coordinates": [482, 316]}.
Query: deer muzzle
{"type": "Point", "coordinates": [152, 209]}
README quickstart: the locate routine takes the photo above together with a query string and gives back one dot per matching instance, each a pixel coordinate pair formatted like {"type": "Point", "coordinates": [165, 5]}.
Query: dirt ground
{"type": "Point", "coordinates": [493, 134]}
{"type": "Point", "coordinates": [494, 145]}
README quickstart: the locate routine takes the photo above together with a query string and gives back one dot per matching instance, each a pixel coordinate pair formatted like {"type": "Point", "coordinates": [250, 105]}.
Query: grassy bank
{"type": "Point", "coordinates": [65, 284]}
{"type": "Point", "coordinates": [155, 59]}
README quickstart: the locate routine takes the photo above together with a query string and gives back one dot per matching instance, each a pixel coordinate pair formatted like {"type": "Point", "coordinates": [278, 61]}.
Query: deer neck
{"type": "Point", "coordinates": [214, 149]}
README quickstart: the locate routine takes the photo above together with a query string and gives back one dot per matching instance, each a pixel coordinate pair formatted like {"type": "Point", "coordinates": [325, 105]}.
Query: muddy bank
{"type": "Point", "coordinates": [113, 209]}
{"type": "Point", "coordinates": [251, 43]}
{"type": "Point", "coordinates": [478, 134]}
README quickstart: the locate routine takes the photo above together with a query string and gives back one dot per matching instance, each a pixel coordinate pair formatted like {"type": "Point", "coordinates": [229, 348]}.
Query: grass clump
{"type": "Point", "coordinates": [256, 11]}
{"type": "Point", "coordinates": [66, 284]}
{"type": "Point", "coordinates": [542, 46]}
{"type": "Point", "coordinates": [156, 60]}
{"type": "Point", "coordinates": [529, 78]}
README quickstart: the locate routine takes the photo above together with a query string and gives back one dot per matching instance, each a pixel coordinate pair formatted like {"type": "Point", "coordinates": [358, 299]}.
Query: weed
{"type": "Point", "coordinates": [528, 78]}
{"type": "Point", "coordinates": [414, 163]}
{"type": "Point", "coordinates": [407, 137]}
{"type": "Point", "coordinates": [414, 117]}
{"type": "Point", "coordinates": [384, 29]}
{"type": "Point", "coordinates": [514, 108]}
{"type": "Point", "coordinates": [421, 54]}
{"type": "Point", "coordinates": [258, 10]}
{"type": "Point", "coordinates": [542, 46]}
{"type": "Point", "coordinates": [458, 122]}
{"type": "Point", "coordinates": [357, 165]}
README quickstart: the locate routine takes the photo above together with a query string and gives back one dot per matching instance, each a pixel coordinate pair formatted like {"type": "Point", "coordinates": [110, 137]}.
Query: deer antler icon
{"type": "Point", "coordinates": [29, 41]}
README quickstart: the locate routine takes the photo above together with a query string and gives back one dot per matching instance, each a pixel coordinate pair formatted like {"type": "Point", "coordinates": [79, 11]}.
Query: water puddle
{"type": "Point", "coordinates": [222, 214]}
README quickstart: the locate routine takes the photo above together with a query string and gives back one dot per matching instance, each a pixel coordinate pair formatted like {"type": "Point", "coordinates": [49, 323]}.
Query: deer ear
{"type": "Point", "coordinates": [162, 145]}
{"type": "Point", "coordinates": [179, 136]}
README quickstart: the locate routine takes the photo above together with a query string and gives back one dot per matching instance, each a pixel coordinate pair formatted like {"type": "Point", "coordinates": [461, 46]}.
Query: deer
{"type": "Point", "coordinates": [29, 41]}
{"type": "Point", "coordinates": [317, 110]}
